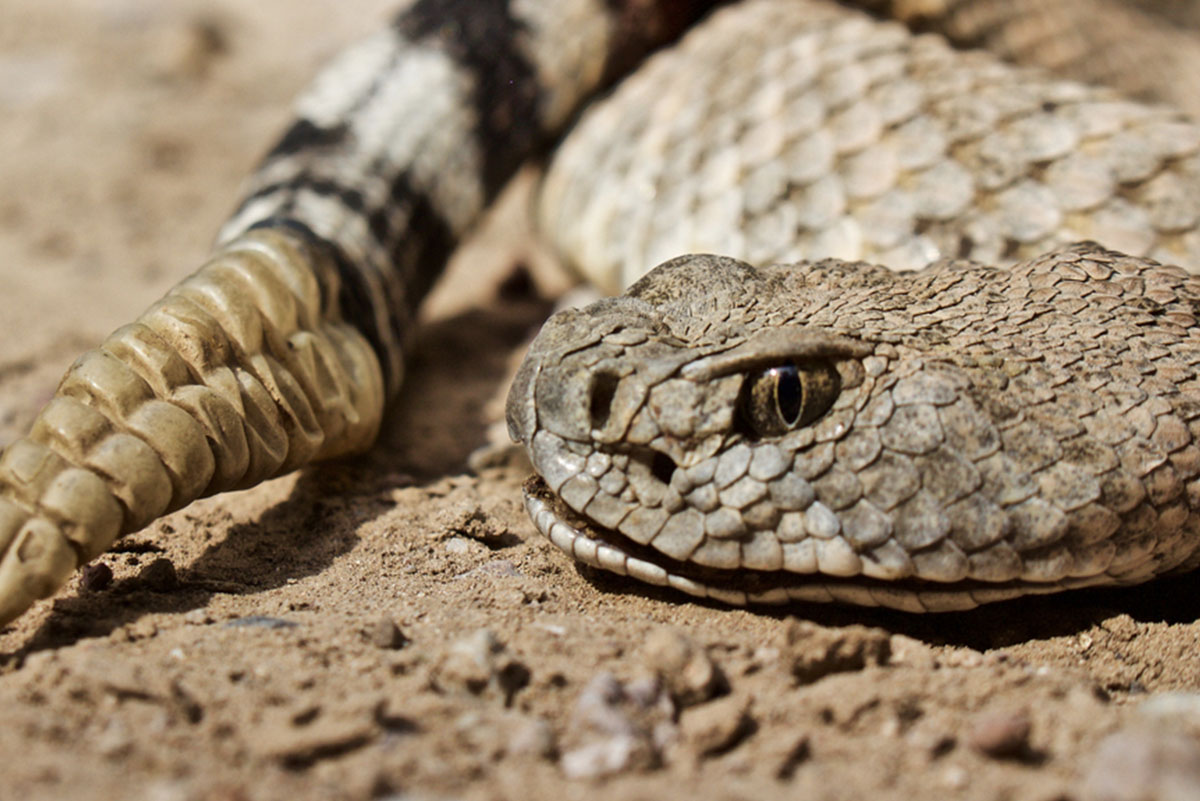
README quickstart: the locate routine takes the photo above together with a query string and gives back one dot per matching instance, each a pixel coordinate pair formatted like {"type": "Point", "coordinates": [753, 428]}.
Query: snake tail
{"type": "Point", "coordinates": [241, 372]}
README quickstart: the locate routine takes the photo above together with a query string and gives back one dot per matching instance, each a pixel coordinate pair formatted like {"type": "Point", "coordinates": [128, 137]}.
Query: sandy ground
{"type": "Point", "coordinates": [392, 626]}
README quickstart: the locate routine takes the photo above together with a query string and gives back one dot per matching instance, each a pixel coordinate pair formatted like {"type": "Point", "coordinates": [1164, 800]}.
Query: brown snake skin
{"type": "Point", "coordinates": [776, 131]}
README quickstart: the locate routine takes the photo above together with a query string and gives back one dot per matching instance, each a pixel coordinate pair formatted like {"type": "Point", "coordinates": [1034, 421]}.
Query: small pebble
{"type": "Point", "coordinates": [386, 634]}
{"type": "Point", "coordinates": [465, 517]}
{"type": "Point", "coordinates": [716, 727]}
{"type": "Point", "coordinates": [1001, 735]}
{"type": "Point", "coordinates": [159, 576]}
{"type": "Point", "coordinates": [96, 577]}
{"type": "Point", "coordinates": [470, 662]}
{"type": "Point", "coordinates": [598, 707]}
{"type": "Point", "coordinates": [684, 667]}
{"type": "Point", "coordinates": [480, 663]}
{"type": "Point", "coordinates": [459, 545]}
{"type": "Point", "coordinates": [613, 731]}
{"type": "Point", "coordinates": [818, 651]}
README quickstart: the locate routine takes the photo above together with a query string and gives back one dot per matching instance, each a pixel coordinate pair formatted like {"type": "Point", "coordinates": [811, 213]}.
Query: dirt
{"type": "Point", "coordinates": [392, 626]}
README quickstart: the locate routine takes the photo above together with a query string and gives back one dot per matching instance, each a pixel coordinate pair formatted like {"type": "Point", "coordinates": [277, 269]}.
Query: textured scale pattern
{"type": "Point", "coordinates": [997, 433]}
{"type": "Point", "coordinates": [781, 131]}
{"type": "Point", "coordinates": [1141, 52]}
{"type": "Point", "coordinates": [283, 349]}
{"type": "Point", "coordinates": [402, 141]}
{"type": "Point", "coordinates": [242, 372]}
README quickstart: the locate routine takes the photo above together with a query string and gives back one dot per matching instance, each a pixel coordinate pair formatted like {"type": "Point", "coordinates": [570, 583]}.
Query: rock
{"type": "Point", "coordinates": [459, 546]}
{"type": "Point", "coordinates": [96, 577]}
{"type": "Point", "coordinates": [684, 668]}
{"type": "Point", "coordinates": [614, 731]}
{"type": "Point", "coordinates": [607, 706]}
{"type": "Point", "coordinates": [470, 661]}
{"type": "Point", "coordinates": [479, 663]}
{"type": "Point", "coordinates": [716, 727]}
{"type": "Point", "coordinates": [464, 515]}
{"type": "Point", "coordinates": [816, 651]}
{"type": "Point", "coordinates": [159, 576]}
{"type": "Point", "coordinates": [1001, 734]}
{"type": "Point", "coordinates": [384, 633]}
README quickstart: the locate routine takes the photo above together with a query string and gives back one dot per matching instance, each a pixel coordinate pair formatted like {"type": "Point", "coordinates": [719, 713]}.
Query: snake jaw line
{"type": "Point", "coordinates": [587, 543]}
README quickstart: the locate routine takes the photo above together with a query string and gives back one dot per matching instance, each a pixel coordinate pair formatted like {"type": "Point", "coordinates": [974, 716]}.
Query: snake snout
{"type": "Point", "coordinates": [572, 401]}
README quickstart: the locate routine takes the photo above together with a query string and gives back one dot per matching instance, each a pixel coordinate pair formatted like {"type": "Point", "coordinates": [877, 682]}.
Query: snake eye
{"type": "Point", "coordinates": [779, 399]}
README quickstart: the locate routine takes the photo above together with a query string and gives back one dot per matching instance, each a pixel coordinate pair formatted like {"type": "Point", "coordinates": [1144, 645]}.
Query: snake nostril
{"type": "Point", "coordinates": [604, 388]}
{"type": "Point", "coordinates": [662, 467]}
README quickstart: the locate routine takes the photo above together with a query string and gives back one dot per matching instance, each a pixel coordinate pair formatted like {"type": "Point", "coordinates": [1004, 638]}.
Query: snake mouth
{"type": "Point", "coordinates": [598, 546]}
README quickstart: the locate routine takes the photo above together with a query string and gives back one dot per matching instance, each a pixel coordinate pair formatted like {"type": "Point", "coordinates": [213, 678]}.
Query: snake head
{"type": "Point", "coordinates": [835, 431]}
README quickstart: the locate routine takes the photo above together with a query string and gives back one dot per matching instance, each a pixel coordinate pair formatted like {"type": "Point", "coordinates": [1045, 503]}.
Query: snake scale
{"type": "Point", "coordinates": [827, 430]}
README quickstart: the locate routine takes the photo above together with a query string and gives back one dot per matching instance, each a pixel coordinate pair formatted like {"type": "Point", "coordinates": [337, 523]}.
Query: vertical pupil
{"type": "Point", "coordinates": [789, 394]}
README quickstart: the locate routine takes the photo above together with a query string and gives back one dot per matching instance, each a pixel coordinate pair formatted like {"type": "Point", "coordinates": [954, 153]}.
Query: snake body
{"type": "Point", "coordinates": [287, 345]}
{"type": "Point", "coordinates": [834, 431]}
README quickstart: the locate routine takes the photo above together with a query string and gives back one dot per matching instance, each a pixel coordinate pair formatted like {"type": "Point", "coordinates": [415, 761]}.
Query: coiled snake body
{"type": "Point", "coordinates": [828, 432]}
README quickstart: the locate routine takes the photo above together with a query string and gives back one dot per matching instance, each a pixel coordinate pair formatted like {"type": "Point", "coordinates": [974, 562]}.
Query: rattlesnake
{"type": "Point", "coordinates": [287, 345]}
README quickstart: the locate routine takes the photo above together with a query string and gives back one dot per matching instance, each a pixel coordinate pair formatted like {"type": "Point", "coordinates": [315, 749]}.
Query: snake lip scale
{"type": "Point", "coordinates": [588, 543]}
